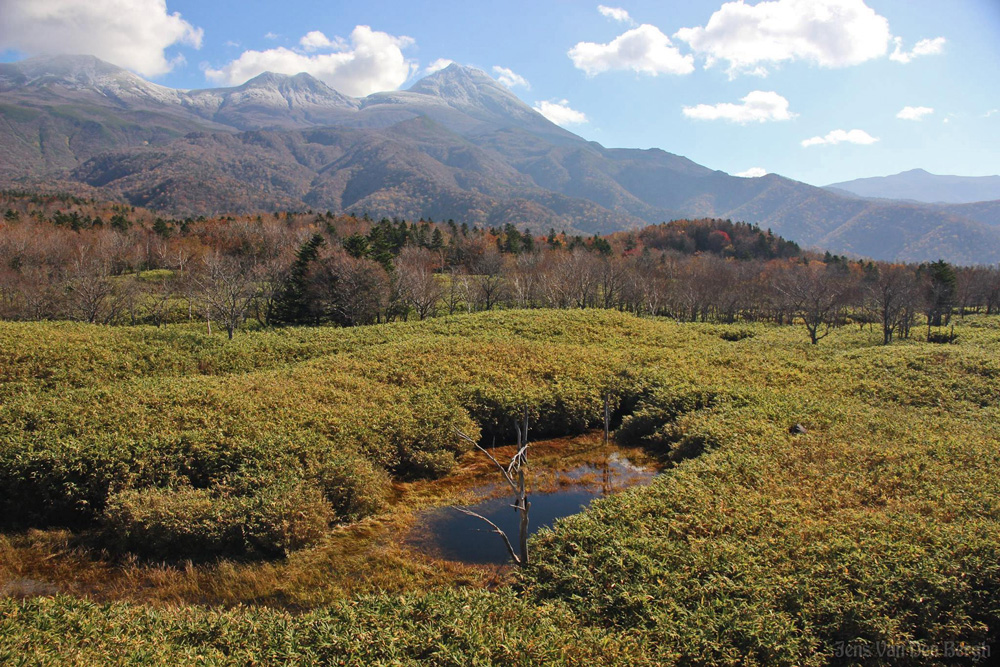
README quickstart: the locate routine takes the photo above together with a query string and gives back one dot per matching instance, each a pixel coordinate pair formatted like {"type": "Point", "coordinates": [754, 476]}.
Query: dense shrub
{"type": "Point", "coordinates": [53, 487]}
{"type": "Point", "coordinates": [446, 628]}
{"type": "Point", "coordinates": [166, 523]}
{"type": "Point", "coordinates": [424, 436]}
{"type": "Point", "coordinates": [185, 522]}
{"type": "Point", "coordinates": [283, 518]}
{"type": "Point", "coordinates": [654, 421]}
{"type": "Point", "coordinates": [352, 485]}
{"type": "Point", "coordinates": [733, 335]}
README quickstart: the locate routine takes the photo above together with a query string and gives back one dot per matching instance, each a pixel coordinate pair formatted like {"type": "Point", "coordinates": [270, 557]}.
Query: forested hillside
{"type": "Point", "coordinates": [67, 258]}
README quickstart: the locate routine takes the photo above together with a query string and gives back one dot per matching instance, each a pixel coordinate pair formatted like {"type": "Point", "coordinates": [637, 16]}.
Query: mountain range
{"type": "Point", "coordinates": [454, 145]}
{"type": "Point", "coordinates": [922, 186]}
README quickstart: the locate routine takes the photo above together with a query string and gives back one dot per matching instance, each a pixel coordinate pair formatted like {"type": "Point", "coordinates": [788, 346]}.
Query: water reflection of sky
{"type": "Point", "coordinates": [447, 533]}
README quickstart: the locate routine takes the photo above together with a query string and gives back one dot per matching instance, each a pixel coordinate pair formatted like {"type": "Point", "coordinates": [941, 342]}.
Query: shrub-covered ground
{"type": "Point", "coordinates": [874, 532]}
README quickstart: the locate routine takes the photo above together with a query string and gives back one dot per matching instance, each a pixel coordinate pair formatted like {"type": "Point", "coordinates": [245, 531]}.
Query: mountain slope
{"type": "Point", "coordinates": [921, 186]}
{"type": "Point", "coordinates": [414, 169]}
{"type": "Point", "coordinates": [59, 111]}
{"type": "Point", "coordinates": [455, 145]}
{"type": "Point", "coordinates": [985, 212]}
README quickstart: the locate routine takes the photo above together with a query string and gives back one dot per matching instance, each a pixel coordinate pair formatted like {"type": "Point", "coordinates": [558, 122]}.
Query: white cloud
{"type": "Point", "coordinates": [509, 78]}
{"type": "Point", "coordinates": [828, 33]}
{"type": "Point", "coordinates": [129, 33]}
{"type": "Point", "coordinates": [841, 136]}
{"type": "Point", "coordinates": [644, 49]}
{"type": "Point", "coordinates": [560, 113]}
{"type": "Point", "coordinates": [231, 43]}
{"type": "Point", "coordinates": [615, 14]}
{"type": "Point", "coordinates": [925, 47]}
{"type": "Point", "coordinates": [369, 62]}
{"type": "Point", "coordinates": [316, 40]}
{"type": "Point", "coordinates": [271, 35]}
{"type": "Point", "coordinates": [758, 106]}
{"type": "Point", "coordinates": [438, 65]}
{"type": "Point", "coordinates": [929, 47]}
{"type": "Point", "coordinates": [752, 172]}
{"type": "Point", "coordinates": [914, 113]}
{"type": "Point", "coordinates": [991, 112]}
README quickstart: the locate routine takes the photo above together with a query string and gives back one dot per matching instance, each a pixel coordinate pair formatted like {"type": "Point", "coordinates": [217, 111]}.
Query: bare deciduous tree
{"type": "Point", "coordinates": [487, 279]}
{"type": "Point", "coordinates": [93, 296]}
{"type": "Point", "coordinates": [892, 296]}
{"type": "Point", "coordinates": [815, 293]}
{"type": "Point", "coordinates": [227, 289]}
{"type": "Point", "coordinates": [525, 271]}
{"type": "Point", "coordinates": [419, 286]}
{"type": "Point", "coordinates": [348, 290]}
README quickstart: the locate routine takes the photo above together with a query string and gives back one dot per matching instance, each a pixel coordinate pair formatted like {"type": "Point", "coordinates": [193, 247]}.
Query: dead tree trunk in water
{"type": "Point", "coordinates": [513, 474]}
{"type": "Point", "coordinates": [607, 418]}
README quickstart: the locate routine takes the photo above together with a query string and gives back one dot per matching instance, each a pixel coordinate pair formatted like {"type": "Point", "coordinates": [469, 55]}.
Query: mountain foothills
{"type": "Point", "coordinates": [455, 145]}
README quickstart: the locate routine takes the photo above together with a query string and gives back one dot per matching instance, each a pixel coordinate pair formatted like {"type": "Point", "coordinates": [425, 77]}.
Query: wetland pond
{"type": "Point", "coordinates": [419, 543]}
{"type": "Point", "coordinates": [445, 532]}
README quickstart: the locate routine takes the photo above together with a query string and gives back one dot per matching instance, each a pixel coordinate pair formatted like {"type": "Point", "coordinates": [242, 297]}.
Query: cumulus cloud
{"type": "Point", "coordinates": [644, 49]}
{"type": "Point", "coordinates": [758, 106]}
{"type": "Point", "coordinates": [925, 47]}
{"type": "Point", "coordinates": [438, 65]}
{"type": "Point", "coordinates": [315, 40]}
{"type": "Point", "coordinates": [370, 61]}
{"type": "Point", "coordinates": [129, 33]}
{"type": "Point", "coordinates": [752, 172]}
{"type": "Point", "coordinates": [509, 78]}
{"type": "Point", "coordinates": [841, 136]}
{"type": "Point", "coordinates": [615, 13]}
{"type": "Point", "coordinates": [560, 113]}
{"type": "Point", "coordinates": [828, 33]}
{"type": "Point", "coordinates": [914, 113]}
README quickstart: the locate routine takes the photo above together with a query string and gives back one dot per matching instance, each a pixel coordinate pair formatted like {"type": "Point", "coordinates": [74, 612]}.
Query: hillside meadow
{"type": "Point", "coordinates": [873, 534]}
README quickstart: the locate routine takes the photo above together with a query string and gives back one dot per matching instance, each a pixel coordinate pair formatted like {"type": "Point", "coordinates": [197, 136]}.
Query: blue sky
{"type": "Point", "coordinates": [817, 90]}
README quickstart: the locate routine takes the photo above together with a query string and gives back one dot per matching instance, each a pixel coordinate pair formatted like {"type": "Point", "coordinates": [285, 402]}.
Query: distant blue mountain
{"type": "Point", "coordinates": [921, 186]}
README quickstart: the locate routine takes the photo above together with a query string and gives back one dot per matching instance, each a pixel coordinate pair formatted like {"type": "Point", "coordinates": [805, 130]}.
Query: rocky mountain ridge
{"type": "Point", "coordinates": [456, 145]}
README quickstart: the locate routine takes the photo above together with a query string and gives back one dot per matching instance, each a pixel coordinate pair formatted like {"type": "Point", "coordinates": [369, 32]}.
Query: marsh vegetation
{"type": "Point", "coordinates": [877, 524]}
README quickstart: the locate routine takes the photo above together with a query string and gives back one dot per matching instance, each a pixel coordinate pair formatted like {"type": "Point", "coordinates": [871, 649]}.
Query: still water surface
{"type": "Point", "coordinates": [447, 533]}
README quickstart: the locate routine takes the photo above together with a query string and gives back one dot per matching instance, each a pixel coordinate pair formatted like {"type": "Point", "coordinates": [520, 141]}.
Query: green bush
{"type": "Point", "coordinates": [185, 522]}
{"type": "Point", "coordinates": [352, 485]}
{"type": "Point", "coordinates": [734, 335]}
{"type": "Point", "coordinates": [653, 423]}
{"type": "Point", "coordinates": [432, 464]}
{"type": "Point", "coordinates": [56, 484]}
{"type": "Point", "coordinates": [283, 518]}
{"type": "Point", "coordinates": [170, 523]}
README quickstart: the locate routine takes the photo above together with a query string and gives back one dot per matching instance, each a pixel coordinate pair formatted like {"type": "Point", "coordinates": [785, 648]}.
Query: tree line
{"type": "Point", "coordinates": [319, 268]}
